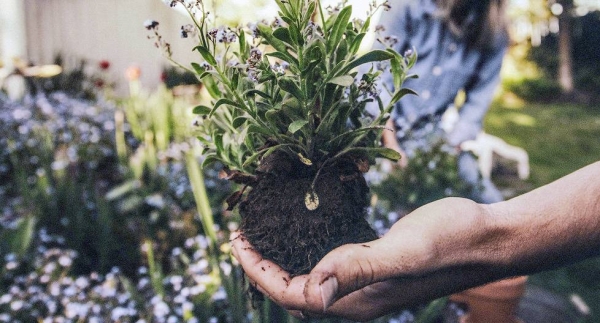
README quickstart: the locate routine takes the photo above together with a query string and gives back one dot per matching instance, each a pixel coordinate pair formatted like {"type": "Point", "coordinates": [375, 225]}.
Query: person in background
{"type": "Point", "coordinates": [460, 46]}
{"type": "Point", "coordinates": [441, 248]}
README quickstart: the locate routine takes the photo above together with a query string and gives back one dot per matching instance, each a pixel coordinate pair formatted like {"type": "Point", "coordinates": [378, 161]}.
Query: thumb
{"type": "Point", "coordinates": [344, 270]}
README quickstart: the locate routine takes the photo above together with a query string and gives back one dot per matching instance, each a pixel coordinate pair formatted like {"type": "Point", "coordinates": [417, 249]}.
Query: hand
{"type": "Point", "coordinates": [409, 265]}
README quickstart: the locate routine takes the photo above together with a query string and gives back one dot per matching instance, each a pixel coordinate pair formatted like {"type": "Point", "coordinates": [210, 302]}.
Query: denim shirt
{"type": "Point", "coordinates": [445, 65]}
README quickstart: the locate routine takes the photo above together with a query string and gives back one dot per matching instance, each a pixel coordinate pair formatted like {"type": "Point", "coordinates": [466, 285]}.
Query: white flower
{"type": "Point", "coordinates": [5, 298]}
{"type": "Point", "coordinates": [16, 305]}
{"type": "Point", "coordinates": [161, 309]}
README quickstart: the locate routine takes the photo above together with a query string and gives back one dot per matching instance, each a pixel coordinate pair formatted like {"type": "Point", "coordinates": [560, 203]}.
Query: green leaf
{"type": "Point", "coordinates": [262, 153]}
{"type": "Point", "coordinates": [19, 239]}
{"type": "Point", "coordinates": [283, 34]}
{"type": "Point", "coordinates": [402, 92]}
{"type": "Point", "coordinates": [297, 125]}
{"type": "Point", "coordinates": [366, 25]}
{"type": "Point", "coordinates": [288, 85]}
{"type": "Point", "coordinates": [242, 40]}
{"type": "Point", "coordinates": [337, 68]}
{"type": "Point", "coordinates": [282, 7]}
{"type": "Point", "coordinates": [296, 35]}
{"type": "Point", "coordinates": [309, 13]}
{"type": "Point", "coordinates": [342, 50]}
{"type": "Point", "coordinates": [122, 190]}
{"type": "Point", "coordinates": [338, 28]}
{"type": "Point", "coordinates": [344, 80]}
{"type": "Point", "coordinates": [198, 69]}
{"type": "Point", "coordinates": [372, 56]}
{"type": "Point", "coordinates": [375, 152]}
{"type": "Point", "coordinates": [258, 129]}
{"type": "Point", "coordinates": [218, 142]}
{"type": "Point", "coordinates": [212, 87]}
{"type": "Point", "coordinates": [235, 78]}
{"type": "Point", "coordinates": [397, 72]}
{"type": "Point", "coordinates": [355, 46]}
{"type": "Point", "coordinates": [220, 102]}
{"type": "Point", "coordinates": [203, 75]}
{"type": "Point", "coordinates": [251, 159]}
{"type": "Point", "coordinates": [239, 121]}
{"type": "Point", "coordinates": [209, 160]}
{"type": "Point", "coordinates": [287, 20]}
{"type": "Point", "coordinates": [208, 57]}
{"type": "Point", "coordinates": [351, 136]}
{"type": "Point", "coordinates": [284, 57]}
{"type": "Point", "coordinates": [265, 32]}
{"type": "Point", "coordinates": [260, 93]}
{"type": "Point", "coordinates": [385, 153]}
{"type": "Point", "coordinates": [201, 110]}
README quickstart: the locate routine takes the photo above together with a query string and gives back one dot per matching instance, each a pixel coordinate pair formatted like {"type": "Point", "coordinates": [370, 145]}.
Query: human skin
{"type": "Point", "coordinates": [439, 249]}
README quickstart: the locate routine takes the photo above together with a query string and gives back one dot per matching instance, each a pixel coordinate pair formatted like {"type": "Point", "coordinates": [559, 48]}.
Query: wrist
{"type": "Point", "coordinates": [471, 234]}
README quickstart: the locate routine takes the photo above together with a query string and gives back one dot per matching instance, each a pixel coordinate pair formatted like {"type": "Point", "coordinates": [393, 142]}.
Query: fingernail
{"type": "Point", "coordinates": [329, 289]}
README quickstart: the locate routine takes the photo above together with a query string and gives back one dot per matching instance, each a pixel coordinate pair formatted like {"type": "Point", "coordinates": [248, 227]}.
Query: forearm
{"type": "Point", "coordinates": [467, 244]}
{"type": "Point", "coordinates": [554, 225]}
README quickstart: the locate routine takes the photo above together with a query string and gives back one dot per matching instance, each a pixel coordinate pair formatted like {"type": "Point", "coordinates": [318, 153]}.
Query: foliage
{"type": "Point", "coordinates": [290, 85]}
{"type": "Point", "coordinates": [51, 292]}
{"type": "Point", "coordinates": [87, 187]}
{"type": "Point", "coordinates": [540, 89]}
{"type": "Point", "coordinates": [586, 52]}
{"type": "Point", "coordinates": [55, 162]}
{"type": "Point", "coordinates": [430, 175]}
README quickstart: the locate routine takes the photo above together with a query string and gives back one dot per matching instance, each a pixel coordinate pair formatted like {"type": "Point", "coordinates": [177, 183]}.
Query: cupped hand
{"type": "Point", "coordinates": [320, 293]}
{"type": "Point", "coordinates": [367, 280]}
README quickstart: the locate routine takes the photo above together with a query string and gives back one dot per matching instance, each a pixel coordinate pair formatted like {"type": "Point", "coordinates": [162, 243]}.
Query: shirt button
{"type": "Point", "coordinates": [452, 47]}
{"type": "Point", "coordinates": [426, 94]}
{"type": "Point", "coordinates": [437, 71]}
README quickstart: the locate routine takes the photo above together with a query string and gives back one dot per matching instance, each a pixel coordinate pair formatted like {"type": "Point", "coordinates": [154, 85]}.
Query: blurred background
{"type": "Point", "coordinates": [106, 216]}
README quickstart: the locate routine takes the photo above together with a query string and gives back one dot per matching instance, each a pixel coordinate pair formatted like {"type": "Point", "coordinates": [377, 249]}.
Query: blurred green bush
{"type": "Point", "coordinates": [539, 89]}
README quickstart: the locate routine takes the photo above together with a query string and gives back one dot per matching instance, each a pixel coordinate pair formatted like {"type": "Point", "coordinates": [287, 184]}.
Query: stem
{"type": "Point", "coordinates": [200, 26]}
{"type": "Point", "coordinates": [179, 65]}
{"type": "Point", "coordinates": [202, 201]}
{"type": "Point", "coordinates": [322, 19]}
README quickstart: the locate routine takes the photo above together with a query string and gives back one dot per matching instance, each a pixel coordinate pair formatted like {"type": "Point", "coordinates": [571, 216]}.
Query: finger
{"type": "Point", "coordinates": [368, 303]}
{"type": "Point", "coordinates": [268, 277]}
{"type": "Point", "coordinates": [347, 269]}
{"type": "Point", "coordinates": [235, 235]}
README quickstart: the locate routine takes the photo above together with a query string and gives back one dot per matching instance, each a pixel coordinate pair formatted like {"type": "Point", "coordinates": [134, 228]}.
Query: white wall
{"type": "Point", "coordinates": [104, 30]}
{"type": "Point", "coordinates": [113, 30]}
{"type": "Point", "coordinates": [12, 30]}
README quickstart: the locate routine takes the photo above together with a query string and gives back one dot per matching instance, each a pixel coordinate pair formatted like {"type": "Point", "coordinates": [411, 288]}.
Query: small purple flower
{"type": "Point", "coordinates": [151, 24]}
{"type": "Point", "coordinates": [187, 30]}
{"type": "Point", "coordinates": [254, 58]}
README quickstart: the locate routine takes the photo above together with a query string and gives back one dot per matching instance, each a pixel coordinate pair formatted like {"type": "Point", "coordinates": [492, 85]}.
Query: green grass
{"type": "Point", "coordinates": [560, 138]}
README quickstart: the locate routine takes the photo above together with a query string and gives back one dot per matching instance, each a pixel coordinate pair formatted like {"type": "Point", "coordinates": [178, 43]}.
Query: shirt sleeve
{"type": "Point", "coordinates": [479, 94]}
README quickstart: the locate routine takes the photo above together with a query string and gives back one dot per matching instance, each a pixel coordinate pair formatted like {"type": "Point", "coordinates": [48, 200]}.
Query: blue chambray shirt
{"type": "Point", "coordinates": [445, 65]}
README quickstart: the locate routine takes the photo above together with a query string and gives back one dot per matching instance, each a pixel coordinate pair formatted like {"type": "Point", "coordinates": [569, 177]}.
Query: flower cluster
{"type": "Point", "coordinates": [58, 131]}
{"type": "Point", "coordinates": [159, 41]}
{"type": "Point", "coordinates": [224, 35]}
{"type": "Point", "coordinates": [59, 166]}
{"type": "Point", "coordinates": [51, 294]}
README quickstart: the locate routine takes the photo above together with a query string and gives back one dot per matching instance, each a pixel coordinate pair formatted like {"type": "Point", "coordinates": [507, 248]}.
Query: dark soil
{"type": "Point", "coordinates": [277, 223]}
